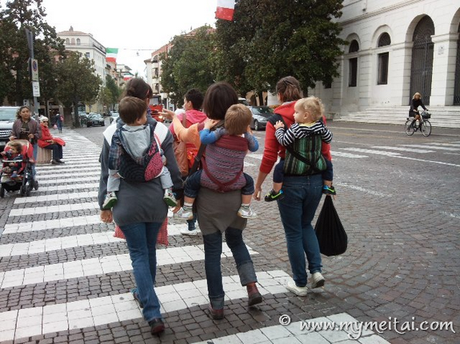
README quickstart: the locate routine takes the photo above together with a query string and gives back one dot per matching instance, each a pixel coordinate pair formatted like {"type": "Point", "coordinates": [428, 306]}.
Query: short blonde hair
{"type": "Point", "coordinates": [313, 105]}
{"type": "Point", "coordinates": [237, 119]}
{"type": "Point", "coordinates": [416, 94]}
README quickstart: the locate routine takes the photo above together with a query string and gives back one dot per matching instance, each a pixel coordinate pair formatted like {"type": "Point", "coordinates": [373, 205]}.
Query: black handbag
{"type": "Point", "coordinates": [332, 238]}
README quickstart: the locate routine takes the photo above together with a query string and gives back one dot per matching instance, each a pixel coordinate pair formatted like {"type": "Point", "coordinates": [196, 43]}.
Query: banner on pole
{"type": "Point", "coordinates": [225, 9]}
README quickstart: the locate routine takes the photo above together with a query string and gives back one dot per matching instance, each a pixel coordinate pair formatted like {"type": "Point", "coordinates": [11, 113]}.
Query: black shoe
{"type": "Point", "coordinates": [60, 161]}
{"type": "Point", "coordinates": [329, 190]}
{"type": "Point", "coordinates": [54, 162]}
{"type": "Point", "coordinates": [157, 326]}
{"type": "Point", "coordinates": [35, 184]}
{"type": "Point", "coordinates": [273, 195]}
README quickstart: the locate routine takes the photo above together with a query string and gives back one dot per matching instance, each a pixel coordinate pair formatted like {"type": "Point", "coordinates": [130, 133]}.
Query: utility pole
{"type": "Point", "coordinates": [33, 67]}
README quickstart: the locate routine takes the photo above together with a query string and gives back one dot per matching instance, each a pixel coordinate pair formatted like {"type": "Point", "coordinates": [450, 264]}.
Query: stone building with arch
{"type": "Point", "coordinates": [396, 48]}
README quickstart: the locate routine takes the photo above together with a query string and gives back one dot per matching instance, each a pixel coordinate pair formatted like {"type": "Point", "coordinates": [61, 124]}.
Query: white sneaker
{"type": "Point", "coordinates": [317, 280]}
{"type": "Point", "coordinates": [169, 198]}
{"type": "Point", "coordinates": [185, 231]}
{"type": "Point", "coordinates": [246, 213]}
{"type": "Point", "coordinates": [185, 213]}
{"type": "Point", "coordinates": [299, 291]}
{"type": "Point", "coordinates": [110, 201]}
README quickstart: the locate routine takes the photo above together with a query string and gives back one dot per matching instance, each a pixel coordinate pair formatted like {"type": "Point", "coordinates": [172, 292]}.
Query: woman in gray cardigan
{"type": "Point", "coordinates": [140, 211]}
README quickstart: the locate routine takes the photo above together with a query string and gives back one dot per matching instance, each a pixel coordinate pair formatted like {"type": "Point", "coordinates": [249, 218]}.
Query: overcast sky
{"type": "Point", "coordinates": [133, 26]}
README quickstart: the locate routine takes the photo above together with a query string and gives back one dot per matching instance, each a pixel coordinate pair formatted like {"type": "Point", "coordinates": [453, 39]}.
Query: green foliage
{"type": "Point", "coordinates": [188, 65]}
{"type": "Point", "coordinates": [19, 16]}
{"type": "Point", "coordinates": [77, 82]}
{"type": "Point", "coordinates": [268, 40]}
{"type": "Point", "coordinates": [115, 91]}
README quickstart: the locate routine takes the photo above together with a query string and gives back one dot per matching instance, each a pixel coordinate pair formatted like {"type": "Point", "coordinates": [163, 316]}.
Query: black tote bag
{"type": "Point", "coordinates": [332, 238]}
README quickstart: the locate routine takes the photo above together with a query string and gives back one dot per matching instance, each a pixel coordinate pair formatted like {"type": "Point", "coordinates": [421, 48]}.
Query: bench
{"type": "Point", "coordinates": [44, 156]}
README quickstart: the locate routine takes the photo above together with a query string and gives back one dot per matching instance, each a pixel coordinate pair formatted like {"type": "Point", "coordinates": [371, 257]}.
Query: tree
{"type": "Point", "coordinates": [115, 91]}
{"type": "Point", "coordinates": [188, 64]}
{"type": "Point", "coordinates": [78, 82]}
{"type": "Point", "coordinates": [268, 40]}
{"type": "Point", "coordinates": [19, 16]}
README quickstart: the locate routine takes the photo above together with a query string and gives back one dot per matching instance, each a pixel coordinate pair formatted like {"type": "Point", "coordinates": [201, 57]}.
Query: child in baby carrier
{"type": "Point", "coordinates": [223, 167]}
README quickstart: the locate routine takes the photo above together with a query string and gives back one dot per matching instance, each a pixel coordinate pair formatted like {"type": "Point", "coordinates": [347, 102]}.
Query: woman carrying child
{"type": "Point", "coordinates": [218, 211]}
{"type": "Point", "coordinates": [140, 209]}
{"type": "Point", "coordinates": [302, 193]}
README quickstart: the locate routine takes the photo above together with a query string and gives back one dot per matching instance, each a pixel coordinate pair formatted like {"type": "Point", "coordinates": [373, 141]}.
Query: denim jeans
{"type": "Point", "coordinates": [141, 239]}
{"type": "Point", "coordinates": [212, 253]}
{"type": "Point", "coordinates": [297, 209]}
{"type": "Point", "coordinates": [57, 151]}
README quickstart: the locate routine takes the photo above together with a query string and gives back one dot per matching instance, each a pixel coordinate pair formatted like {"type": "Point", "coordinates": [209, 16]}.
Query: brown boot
{"type": "Point", "coordinates": [254, 296]}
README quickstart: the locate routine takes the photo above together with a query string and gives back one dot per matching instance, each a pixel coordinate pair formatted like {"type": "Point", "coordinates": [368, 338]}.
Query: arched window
{"type": "Point", "coordinates": [67, 41]}
{"type": "Point", "coordinates": [78, 41]}
{"type": "Point", "coordinates": [383, 59]}
{"type": "Point", "coordinates": [72, 41]}
{"type": "Point", "coordinates": [353, 65]}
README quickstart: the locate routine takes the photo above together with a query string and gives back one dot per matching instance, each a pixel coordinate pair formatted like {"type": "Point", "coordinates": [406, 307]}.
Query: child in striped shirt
{"type": "Point", "coordinates": [308, 121]}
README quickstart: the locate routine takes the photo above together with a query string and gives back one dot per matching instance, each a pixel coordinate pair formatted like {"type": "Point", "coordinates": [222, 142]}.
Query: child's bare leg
{"type": "Point", "coordinates": [246, 199]}
{"type": "Point", "coordinates": [277, 187]}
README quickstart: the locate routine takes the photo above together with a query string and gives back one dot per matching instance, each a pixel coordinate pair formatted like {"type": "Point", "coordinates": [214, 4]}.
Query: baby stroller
{"type": "Point", "coordinates": [23, 179]}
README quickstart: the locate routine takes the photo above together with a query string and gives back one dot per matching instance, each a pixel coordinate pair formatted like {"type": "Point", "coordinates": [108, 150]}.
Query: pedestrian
{"type": "Point", "coordinates": [223, 168]}
{"type": "Point", "coordinates": [217, 213]}
{"type": "Point", "coordinates": [27, 128]}
{"type": "Point", "coordinates": [58, 121]}
{"type": "Point", "coordinates": [140, 210]}
{"type": "Point", "coordinates": [134, 143]}
{"type": "Point", "coordinates": [48, 141]}
{"type": "Point", "coordinates": [193, 100]}
{"type": "Point", "coordinates": [414, 111]}
{"type": "Point", "coordinates": [302, 194]}
{"type": "Point", "coordinates": [308, 117]}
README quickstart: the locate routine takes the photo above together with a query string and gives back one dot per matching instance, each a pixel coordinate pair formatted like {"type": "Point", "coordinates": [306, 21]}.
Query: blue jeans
{"type": "Point", "coordinates": [141, 239]}
{"type": "Point", "coordinates": [212, 253]}
{"type": "Point", "coordinates": [297, 209]}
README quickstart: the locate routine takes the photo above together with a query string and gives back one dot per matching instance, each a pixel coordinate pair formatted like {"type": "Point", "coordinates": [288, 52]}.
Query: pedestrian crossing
{"type": "Point", "coordinates": [44, 263]}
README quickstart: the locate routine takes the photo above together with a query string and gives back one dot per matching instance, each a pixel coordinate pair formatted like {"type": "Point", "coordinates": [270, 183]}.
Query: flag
{"type": "Point", "coordinates": [225, 9]}
{"type": "Point", "coordinates": [111, 55]}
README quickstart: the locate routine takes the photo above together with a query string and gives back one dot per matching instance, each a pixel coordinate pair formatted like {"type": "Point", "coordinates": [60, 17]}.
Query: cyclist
{"type": "Point", "coordinates": [413, 111]}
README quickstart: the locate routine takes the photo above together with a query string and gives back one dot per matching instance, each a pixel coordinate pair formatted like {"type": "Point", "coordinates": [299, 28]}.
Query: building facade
{"type": "Point", "coordinates": [396, 48]}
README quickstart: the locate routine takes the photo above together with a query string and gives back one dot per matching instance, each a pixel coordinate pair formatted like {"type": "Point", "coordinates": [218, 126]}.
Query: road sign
{"type": "Point", "coordinates": [34, 69]}
{"type": "Point", "coordinates": [36, 88]}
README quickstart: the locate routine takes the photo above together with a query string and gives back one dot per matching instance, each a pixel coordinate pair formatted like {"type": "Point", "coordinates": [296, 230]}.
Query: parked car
{"type": "Point", "coordinates": [114, 116]}
{"type": "Point", "coordinates": [260, 115]}
{"type": "Point", "coordinates": [95, 119]}
{"type": "Point", "coordinates": [243, 101]}
{"type": "Point", "coordinates": [7, 117]}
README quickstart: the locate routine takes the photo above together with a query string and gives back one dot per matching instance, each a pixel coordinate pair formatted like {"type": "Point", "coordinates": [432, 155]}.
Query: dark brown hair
{"type": "Point", "coordinates": [237, 119]}
{"type": "Point", "coordinates": [18, 113]}
{"type": "Point", "coordinates": [218, 98]}
{"type": "Point", "coordinates": [137, 87]}
{"type": "Point", "coordinates": [288, 88]}
{"type": "Point", "coordinates": [131, 109]}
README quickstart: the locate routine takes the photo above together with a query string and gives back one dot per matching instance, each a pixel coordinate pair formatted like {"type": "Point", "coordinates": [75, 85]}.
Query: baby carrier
{"type": "Point", "coordinates": [142, 169]}
{"type": "Point", "coordinates": [223, 165]}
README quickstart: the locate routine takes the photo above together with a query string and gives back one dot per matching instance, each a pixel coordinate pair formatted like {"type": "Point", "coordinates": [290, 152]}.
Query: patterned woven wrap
{"type": "Point", "coordinates": [224, 164]}
{"type": "Point", "coordinates": [308, 148]}
{"type": "Point", "coordinates": [143, 169]}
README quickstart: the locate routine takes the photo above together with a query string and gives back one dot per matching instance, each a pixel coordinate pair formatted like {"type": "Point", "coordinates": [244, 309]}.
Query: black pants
{"type": "Point", "coordinates": [57, 151]}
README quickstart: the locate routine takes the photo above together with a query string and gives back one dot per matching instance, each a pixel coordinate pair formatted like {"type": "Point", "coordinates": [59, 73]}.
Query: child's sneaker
{"type": "Point", "coordinates": [246, 212]}
{"type": "Point", "coordinates": [185, 213]}
{"type": "Point", "coordinates": [273, 195]}
{"type": "Point", "coordinates": [329, 190]}
{"type": "Point", "coordinates": [110, 201]}
{"type": "Point", "coordinates": [169, 198]}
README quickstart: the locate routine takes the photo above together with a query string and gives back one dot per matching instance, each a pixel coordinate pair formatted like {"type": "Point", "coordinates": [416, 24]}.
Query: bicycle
{"type": "Point", "coordinates": [424, 126]}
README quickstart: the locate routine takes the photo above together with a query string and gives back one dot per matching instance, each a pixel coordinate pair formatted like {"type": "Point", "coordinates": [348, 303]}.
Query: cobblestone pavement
{"type": "Point", "coordinates": [64, 278]}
